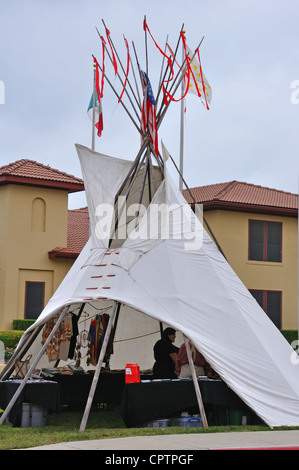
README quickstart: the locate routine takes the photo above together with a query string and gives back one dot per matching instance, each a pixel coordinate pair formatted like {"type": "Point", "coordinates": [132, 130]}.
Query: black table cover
{"type": "Point", "coordinates": [144, 402]}
{"type": "Point", "coordinates": [41, 392]}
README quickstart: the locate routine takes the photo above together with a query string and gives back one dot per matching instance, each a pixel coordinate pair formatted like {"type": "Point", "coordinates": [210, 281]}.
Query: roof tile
{"type": "Point", "coordinates": [29, 169]}
{"type": "Point", "coordinates": [243, 193]}
{"type": "Point", "coordinates": [77, 235]}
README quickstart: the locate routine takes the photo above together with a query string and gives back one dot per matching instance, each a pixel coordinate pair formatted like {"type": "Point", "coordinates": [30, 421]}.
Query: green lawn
{"type": "Point", "coordinates": [102, 424]}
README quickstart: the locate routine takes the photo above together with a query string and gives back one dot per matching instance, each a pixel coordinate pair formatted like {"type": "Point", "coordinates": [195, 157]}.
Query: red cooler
{"type": "Point", "coordinates": [132, 373]}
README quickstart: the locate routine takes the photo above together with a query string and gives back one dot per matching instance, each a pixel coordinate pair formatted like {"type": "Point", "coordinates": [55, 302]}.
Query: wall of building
{"type": "Point", "coordinates": [34, 222]}
{"type": "Point", "coordinates": [232, 232]}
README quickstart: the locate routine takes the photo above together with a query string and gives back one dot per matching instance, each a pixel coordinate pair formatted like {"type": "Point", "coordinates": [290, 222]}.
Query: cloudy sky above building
{"type": "Point", "coordinates": [250, 55]}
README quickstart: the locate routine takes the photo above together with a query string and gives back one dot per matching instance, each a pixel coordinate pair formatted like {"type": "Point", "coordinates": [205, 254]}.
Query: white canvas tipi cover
{"type": "Point", "coordinates": [170, 269]}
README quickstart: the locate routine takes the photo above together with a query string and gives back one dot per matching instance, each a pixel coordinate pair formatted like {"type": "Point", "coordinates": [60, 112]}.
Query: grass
{"type": "Point", "coordinates": [102, 424]}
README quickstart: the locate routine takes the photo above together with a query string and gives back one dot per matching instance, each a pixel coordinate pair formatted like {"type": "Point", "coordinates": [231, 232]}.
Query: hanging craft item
{"type": "Point", "coordinates": [83, 338]}
{"type": "Point", "coordinates": [58, 348]}
{"type": "Point", "coordinates": [82, 342]}
{"type": "Point", "coordinates": [53, 347]}
{"type": "Point", "coordinates": [88, 356]}
{"type": "Point", "coordinates": [77, 355]}
{"type": "Point", "coordinates": [64, 338]}
{"type": "Point", "coordinates": [66, 332]}
{"type": "Point", "coordinates": [97, 331]}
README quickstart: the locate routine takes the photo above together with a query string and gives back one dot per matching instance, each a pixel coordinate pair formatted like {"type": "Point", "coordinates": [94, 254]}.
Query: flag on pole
{"type": "Point", "coordinates": [148, 116]}
{"type": "Point", "coordinates": [98, 113]}
{"type": "Point", "coordinates": [198, 81]}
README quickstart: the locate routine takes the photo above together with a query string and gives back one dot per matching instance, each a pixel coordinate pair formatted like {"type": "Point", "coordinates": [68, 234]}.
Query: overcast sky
{"type": "Point", "coordinates": [250, 56]}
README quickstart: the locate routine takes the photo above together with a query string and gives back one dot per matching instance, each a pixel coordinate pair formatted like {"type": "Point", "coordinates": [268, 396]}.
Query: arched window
{"type": "Point", "coordinates": [38, 215]}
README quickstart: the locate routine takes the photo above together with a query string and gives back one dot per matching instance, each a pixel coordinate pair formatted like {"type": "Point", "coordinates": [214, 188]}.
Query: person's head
{"type": "Point", "coordinates": [169, 333]}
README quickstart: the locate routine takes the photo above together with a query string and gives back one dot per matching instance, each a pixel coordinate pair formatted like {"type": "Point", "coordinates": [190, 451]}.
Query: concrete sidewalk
{"type": "Point", "coordinates": [177, 442]}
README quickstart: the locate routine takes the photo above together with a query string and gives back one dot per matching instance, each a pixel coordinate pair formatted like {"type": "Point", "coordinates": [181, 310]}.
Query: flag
{"type": "Point", "coordinates": [148, 116]}
{"type": "Point", "coordinates": [202, 84]}
{"type": "Point", "coordinates": [98, 113]}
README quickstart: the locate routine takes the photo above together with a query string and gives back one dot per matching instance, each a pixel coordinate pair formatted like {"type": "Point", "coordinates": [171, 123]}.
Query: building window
{"type": "Point", "coordinates": [34, 299]}
{"type": "Point", "coordinates": [265, 240]}
{"type": "Point", "coordinates": [270, 301]}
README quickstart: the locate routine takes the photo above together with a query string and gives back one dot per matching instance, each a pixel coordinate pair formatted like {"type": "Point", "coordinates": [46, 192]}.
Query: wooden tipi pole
{"type": "Point", "coordinates": [98, 368]}
{"type": "Point", "coordinates": [196, 386]}
{"type": "Point", "coordinates": [122, 67]}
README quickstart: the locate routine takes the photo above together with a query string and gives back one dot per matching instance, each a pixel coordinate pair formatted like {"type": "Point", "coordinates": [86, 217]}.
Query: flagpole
{"type": "Point", "coordinates": [93, 108]}
{"type": "Point", "coordinates": [182, 134]}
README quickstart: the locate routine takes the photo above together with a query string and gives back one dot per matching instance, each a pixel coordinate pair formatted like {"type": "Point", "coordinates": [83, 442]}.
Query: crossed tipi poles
{"type": "Point", "coordinates": [142, 180]}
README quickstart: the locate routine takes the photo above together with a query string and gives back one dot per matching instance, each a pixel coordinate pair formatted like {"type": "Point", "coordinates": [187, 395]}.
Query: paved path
{"type": "Point", "coordinates": [177, 442]}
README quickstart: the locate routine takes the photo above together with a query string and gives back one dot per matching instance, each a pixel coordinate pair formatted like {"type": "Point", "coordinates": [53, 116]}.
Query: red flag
{"type": "Point", "coordinates": [103, 65]}
{"type": "Point", "coordinates": [112, 51]}
{"type": "Point", "coordinates": [97, 80]}
{"type": "Point", "coordinates": [127, 72]}
{"type": "Point", "coordinates": [145, 27]}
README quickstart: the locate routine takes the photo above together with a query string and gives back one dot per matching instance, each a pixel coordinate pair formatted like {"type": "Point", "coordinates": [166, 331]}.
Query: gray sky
{"type": "Point", "coordinates": [250, 55]}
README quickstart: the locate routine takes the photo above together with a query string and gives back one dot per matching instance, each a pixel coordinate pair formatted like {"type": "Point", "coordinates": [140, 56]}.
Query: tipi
{"type": "Point", "coordinates": [162, 266]}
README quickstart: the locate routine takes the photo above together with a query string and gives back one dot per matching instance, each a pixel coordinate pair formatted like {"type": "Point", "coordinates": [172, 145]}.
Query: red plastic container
{"type": "Point", "coordinates": [132, 373]}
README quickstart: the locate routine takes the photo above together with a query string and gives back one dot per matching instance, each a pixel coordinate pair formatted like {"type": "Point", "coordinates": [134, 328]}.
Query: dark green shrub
{"type": "Point", "coordinates": [290, 335]}
{"type": "Point", "coordinates": [22, 324]}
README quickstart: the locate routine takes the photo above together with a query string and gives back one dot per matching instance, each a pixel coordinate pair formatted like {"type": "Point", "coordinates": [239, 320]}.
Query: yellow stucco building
{"type": "Point", "coordinates": [34, 220]}
{"type": "Point", "coordinates": [257, 230]}
{"type": "Point", "coordinates": [40, 238]}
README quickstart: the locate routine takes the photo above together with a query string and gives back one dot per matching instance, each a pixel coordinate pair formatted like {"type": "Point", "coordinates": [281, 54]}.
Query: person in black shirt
{"type": "Point", "coordinates": [165, 354]}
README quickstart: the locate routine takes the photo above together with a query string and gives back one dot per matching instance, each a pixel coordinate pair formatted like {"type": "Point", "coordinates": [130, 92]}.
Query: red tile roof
{"type": "Point", "coordinates": [236, 195]}
{"type": "Point", "coordinates": [77, 234]}
{"type": "Point", "coordinates": [30, 172]}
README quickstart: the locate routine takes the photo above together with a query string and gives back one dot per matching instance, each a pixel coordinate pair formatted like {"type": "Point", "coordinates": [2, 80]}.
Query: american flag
{"type": "Point", "coordinates": [148, 117]}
